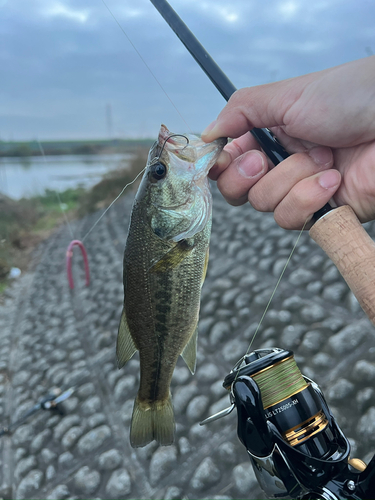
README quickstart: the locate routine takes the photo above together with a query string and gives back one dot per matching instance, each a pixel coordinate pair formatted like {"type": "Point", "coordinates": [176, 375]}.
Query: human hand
{"type": "Point", "coordinates": [326, 121]}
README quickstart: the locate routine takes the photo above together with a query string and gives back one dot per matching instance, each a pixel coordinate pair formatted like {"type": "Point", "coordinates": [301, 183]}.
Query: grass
{"type": "Point", "coordinates": [25, 223]}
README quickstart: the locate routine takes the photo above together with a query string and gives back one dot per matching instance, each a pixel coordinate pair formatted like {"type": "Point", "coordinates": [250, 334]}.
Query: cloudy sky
{"type": "Point", "coordinates": [65, 65]}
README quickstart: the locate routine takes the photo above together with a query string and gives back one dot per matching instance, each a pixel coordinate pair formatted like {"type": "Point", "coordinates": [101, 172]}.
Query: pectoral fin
{"type": "Point", "coordinates": [189, 354]}
{"type": "Point", "coordinates": [125, 347]}
{"type": "Point", "coordinates": [172, 258]}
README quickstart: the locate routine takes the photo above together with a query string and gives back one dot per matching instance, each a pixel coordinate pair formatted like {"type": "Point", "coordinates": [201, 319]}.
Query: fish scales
{"type": "Point", "coordinates": [164, 267]}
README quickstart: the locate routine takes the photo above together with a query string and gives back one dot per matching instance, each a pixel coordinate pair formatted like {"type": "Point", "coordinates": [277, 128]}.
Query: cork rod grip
{"type": "Point", "coordinates": [340, 234]}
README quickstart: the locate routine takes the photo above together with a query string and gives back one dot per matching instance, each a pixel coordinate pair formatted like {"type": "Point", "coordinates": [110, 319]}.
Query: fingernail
{"type": "Point", "coordinates": [251, 164]}
{"type": "Point", "coordinates": [321, 155]}
{"type": "Point", "coordinates": [208, 129]}
{"type": "Point", "coordinates": [329, 179]}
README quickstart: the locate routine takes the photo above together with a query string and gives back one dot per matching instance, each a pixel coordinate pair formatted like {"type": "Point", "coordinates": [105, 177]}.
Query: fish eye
{"type": "Point", "coordinates": [158, 171]}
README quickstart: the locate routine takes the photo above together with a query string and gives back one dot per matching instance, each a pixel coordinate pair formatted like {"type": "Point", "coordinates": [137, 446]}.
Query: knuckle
{"type": "Point", "coordinates": [260, 202]}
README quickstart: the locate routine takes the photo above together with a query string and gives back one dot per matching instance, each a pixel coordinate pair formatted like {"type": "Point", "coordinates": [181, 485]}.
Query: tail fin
{"type": "Point", "coordinates": [152, 421]}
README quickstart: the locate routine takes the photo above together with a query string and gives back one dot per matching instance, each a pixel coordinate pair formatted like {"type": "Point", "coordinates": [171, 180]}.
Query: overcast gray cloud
{"type": "Point", "coordinates": [63, 62]}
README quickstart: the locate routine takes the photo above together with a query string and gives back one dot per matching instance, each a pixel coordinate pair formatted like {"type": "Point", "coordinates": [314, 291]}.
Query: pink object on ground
{"type": "Point", "coordinates": [69, 255]}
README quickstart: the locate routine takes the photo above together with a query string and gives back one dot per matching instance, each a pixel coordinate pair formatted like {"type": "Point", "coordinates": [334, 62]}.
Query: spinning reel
{"type": "Point", "coordinates": [295, 446]}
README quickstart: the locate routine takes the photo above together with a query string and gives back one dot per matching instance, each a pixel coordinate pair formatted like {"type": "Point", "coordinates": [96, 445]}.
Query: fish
{"type": "Point", "coordinates": [164, 267]}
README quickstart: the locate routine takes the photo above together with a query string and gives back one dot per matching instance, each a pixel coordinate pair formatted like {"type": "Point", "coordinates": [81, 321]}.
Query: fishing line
{"type": "Point", "coordinates": [276, 286]}
{"type": "Point", "coordinates": [113, 202]}
{"type": "Point", "coordinates": [57, 193]}
{"type": "Point", "coordinates": [147, 66]}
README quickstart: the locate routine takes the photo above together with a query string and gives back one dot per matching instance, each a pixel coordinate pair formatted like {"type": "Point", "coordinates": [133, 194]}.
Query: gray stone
{"type": "Point", "coordinates": [93, 439]}
{"type": "Point", "coordinates": [278, 318]}
{"type": "Point", "coordinates": [96, 420]}
{"type": "Point", "coordinates": [123, 387]}
{"type": "Point", "coordinates": [206, 474]}
{"type": "Point", "coordinates": [71, 436]}
{"type": "Point", "coordinates": [364, 372]}
{"type": "Point", "coordinates": [243, 300]}
{"type": "Point", "coordinates": [21, 378]}
{"type": "Point", "coordinates": [50, 472]}
{"type": "Point", "coordinates": [208, 372]}
{"type": "Point", "coordinates": [348, 338]}
{"type": "Point", "coordinates": [365, 397]}
{"type": "Point", "coordinates": [127, 411]}
{"type": "Point", "coordinates": [366, 426]}
{"type": "Point", "coordinates": [279, 266]}
{"type": "Point", "coordinates": [91, 405]}
{"type": "Point", "coordinates": [86, 480]}
{"type": "Point", "coordinates": [312, 342]}
{"type": "Point", "coordinates": [180, 375]}
{"type": "Point", "coordinates": [65, 424]}
{"type": "Point", "coordinates": [234, 350]}
{"type": "Point", "coordinates": [110, 460]}
{"type": "Point", "coordinates": [249, 279]}
{"type": "Point", "coordinates": [173, 493]}
{"type": "Point", "coordinates": [184, 446]}
{"type": "Point", "coordinates": [119, 484]}
{"type": "Point", "coordinates": [182, 397]}
{"type": "Point", "coordinates": [300, 277]}
{"type": "Point", "coordinates": [40, 440]}
{"type": "Point", "coordinates": [30, 485]}
{"type": "Point", "coordinates": [315, 287]}
{"type": "Point", "coordinates": [60, 492]}
{"type": "Point", "coordinates": [65, 460]}
{"type": "Point", "coordinates": [244, 479]}
{"type": "Point", "coordinates": [220, 331]}
{"type": "Point", "coordinates": [23, 435]}
{"type": "Point", "coordinates": [291, 336]}
{"type": "Point", "coordinates": [199, 433]}
{"type": "Point", "coordinates": [24, 466]}
{"type": "Point", "coordinates": [331, 274]}
{"type": "Point", "coordinates": [293, 303]}
{"type": "Point", "coordinates": [322, 360]}
{"type": "Point", "coordinates": [20, 453]}
{"type": "Point", "coordinates": [86, 390]}
{"type": "Point", "coordinates": [70, 404]}
{"type": "Point", "coordinates": [227, 453]}
{"type": "Point", "coordinates": [162, 462]}
{"type": "Point", "coordinates": [47, 456]}
{"type": "Point", "coordinates": [340, 390]}
{"type": "Point", "coordinates": [313, 313]}
{"type": "Point", "coordinates": [335, 292]}
{"type": "Point", "coordinates": [228, 297]}
{"type": "Point", "coordinates": [204, 325]}
{"type": "Point", "coordinates": [197, 407]}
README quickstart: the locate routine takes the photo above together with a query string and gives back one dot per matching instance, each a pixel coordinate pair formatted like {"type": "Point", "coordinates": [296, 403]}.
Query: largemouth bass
{"type": "Point", "coordinates": [165, 261]}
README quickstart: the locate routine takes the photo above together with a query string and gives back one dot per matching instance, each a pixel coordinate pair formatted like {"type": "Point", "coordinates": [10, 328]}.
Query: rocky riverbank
{"type": "Point", "coordinates": [51, 336]}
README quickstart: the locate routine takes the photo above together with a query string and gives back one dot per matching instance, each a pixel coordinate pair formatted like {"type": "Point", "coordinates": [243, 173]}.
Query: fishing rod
{"type": "Point", "coordinates": [294, 443]}
{"type": "Point", "coordinates": [336, 230]}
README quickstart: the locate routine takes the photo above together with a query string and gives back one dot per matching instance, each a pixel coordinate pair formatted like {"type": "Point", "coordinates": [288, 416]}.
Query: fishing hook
{"type": "Point", "coordinates": [157, 158]}
{"type": "Point", "coordinates": [69, 255]}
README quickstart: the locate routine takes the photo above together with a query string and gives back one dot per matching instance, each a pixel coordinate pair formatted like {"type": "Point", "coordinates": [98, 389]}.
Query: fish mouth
{"type": "Point", "coordinates": [189, 148]}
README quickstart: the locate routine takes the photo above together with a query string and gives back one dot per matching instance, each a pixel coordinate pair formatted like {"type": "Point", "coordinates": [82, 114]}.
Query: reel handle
{"type": "Point", "coordinates": [343, 238]}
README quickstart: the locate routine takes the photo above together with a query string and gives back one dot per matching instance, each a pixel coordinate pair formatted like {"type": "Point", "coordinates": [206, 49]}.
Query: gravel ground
{"type": "Point", "coordinates": [51, 336]}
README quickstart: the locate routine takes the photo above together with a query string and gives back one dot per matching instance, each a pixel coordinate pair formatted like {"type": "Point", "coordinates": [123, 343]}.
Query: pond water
{"type": "Point", "coordinates": [30, 176]}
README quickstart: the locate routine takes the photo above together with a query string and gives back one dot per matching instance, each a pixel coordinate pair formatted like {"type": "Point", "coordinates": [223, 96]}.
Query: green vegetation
{"type": "Point", "coordinates": [88, 147]}
{"type": "Point", "coordinates": [24, 223]}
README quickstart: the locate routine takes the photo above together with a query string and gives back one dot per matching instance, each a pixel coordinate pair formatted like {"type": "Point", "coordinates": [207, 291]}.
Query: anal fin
{"type": "Point", "coordinates": [125, 347]}
{"type": "Point", "coordinates": [189, 354]}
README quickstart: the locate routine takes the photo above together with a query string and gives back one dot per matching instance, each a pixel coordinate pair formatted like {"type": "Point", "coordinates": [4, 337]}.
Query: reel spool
{"type": "Point", "coordinates": [288, 398]}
